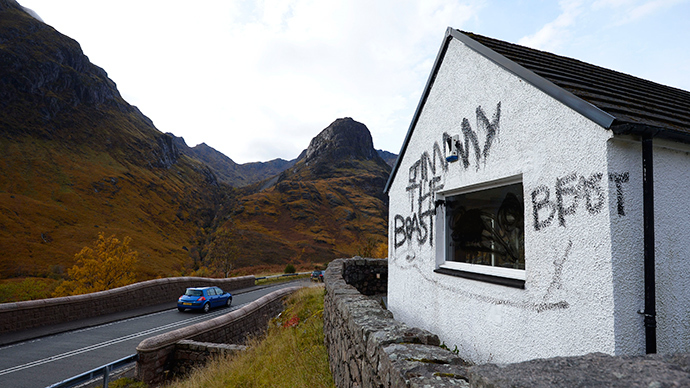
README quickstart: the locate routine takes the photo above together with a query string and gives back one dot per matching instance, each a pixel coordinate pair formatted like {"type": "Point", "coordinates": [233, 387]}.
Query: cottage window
{"type": "Point", "coordinates": [485, 233]}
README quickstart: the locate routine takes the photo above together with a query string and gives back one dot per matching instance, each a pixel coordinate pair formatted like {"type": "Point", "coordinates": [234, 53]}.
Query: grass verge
{"type": "Point", "coordinates": [292, 354]}
{"type": "Point", "coordinates": [281, 279]}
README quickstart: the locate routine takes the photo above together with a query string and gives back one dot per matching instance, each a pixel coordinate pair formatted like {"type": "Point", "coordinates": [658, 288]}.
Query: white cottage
{"type": "Point", "coordinates": [539, 207]}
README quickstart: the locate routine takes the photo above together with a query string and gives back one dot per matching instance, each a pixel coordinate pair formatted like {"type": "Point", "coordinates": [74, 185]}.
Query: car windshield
{"type": "Point", "coordinates": [190, 292]}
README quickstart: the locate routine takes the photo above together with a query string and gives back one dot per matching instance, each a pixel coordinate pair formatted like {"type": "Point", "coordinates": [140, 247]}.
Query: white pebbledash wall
{"type": "Point", "coordinates": [672, 248]}
{"type": "Point", "coordinates": [584, 274]}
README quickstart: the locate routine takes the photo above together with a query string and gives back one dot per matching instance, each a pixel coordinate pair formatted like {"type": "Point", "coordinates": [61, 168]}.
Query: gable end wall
{"type": "Point", "coordinates": [567, 305]}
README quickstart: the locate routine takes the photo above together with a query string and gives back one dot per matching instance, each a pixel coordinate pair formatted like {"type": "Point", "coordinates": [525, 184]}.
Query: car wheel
{"type": "Point", "coordinates": [229, 302]}
{"type": "Point", "coordinates": [180, 309]}
{"type": "Point", "coordinates": [207, 307]}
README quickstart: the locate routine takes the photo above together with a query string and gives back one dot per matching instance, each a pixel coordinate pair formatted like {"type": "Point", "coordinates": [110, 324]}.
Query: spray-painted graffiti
{"type": "Point", "coordinates": [619, 179]}
{"type": "Point", "coordinates": [539, 304]}
{"type": "Point", "coordinates": [426, 177]}
{"type": "Point", "coordinates": [569, 191]}
{"type": "Point", "coordinates": [469, 135]}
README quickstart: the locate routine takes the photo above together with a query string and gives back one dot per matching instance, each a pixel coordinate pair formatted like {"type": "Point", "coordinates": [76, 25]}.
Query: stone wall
{"type": "Point", "coordinates": [367, 347]}
{"type": "Point", "coordinates": [368, 276]}
{"type": "Point", "coordinates": [44, 312]}
{"type": "Point", "coordinates": [157, 355]}
{"type": "Point", "coordinates": [193, 354]}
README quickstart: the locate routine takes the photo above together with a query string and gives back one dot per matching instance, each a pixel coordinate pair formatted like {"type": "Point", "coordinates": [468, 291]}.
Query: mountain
{"type": "Point", "coordinates": [77, 160]}
{"type": "Point", "coordinates": [388, 157]}
{"type": "Point", "coordinates": [330, 204]}
{"type": "Point", "coordinates": [229, 172]}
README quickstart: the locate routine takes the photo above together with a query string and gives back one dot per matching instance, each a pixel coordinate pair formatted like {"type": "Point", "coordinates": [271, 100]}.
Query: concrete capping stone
{"type": "Point", "coordinates": [163, 355]}
{"type": "Point", "coordinates": [166, 339]}
{"type": "Point", "coordinates": [205, 346]}
{"type": "Point", "coordinates": [367, 347]}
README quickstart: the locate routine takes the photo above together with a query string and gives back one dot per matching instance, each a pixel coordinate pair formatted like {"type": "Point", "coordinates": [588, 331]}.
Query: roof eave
{"type": "Point", "coordinates": [579, 105]}
{"type": "Point", "coordinates": [649, 131]}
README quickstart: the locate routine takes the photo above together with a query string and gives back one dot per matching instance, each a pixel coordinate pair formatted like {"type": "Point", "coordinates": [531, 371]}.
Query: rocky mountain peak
{"type": "Point", "coordinates": [344, 139]}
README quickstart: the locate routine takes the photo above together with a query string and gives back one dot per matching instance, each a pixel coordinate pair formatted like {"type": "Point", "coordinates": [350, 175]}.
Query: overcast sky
{"type": "Point", "coordinates": [257, 80]}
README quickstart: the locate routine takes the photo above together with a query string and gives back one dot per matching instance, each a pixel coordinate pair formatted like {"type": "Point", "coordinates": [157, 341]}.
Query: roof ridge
{"type": "Point", "coordinates": [481, 38]}
{"type": "Point", "coordinates": [614, 100]}
{"type": "Point", "coordinates": [629, 98]}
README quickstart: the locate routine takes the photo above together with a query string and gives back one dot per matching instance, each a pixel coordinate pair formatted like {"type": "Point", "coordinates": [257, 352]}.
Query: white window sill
{"type": "Point", "coordinates": [498, 275]}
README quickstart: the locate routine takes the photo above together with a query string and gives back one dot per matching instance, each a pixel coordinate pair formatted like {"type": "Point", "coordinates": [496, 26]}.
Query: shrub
{"type": "Point", "coordinates": [27, 289]}
{"type": "Point", "coordinates": [109, 264]}
{"type": "Point", "coordinates": [290, 268]}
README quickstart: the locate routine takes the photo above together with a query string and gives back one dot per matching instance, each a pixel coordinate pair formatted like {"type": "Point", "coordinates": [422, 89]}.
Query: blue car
{"type": "Point", "coordinates": [204, 298]}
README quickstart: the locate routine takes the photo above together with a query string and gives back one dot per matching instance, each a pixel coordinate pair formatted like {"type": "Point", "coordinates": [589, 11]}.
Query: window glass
{"type": "Point", "coordinates": [190, 292]}
{"type": "Point", "coordinates": [486, 227]}
{"type": "Point", "coordinates": [211, 291]}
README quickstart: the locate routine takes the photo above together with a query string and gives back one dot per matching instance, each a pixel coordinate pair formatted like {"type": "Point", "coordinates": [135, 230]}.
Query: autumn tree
{"type": "Point", "coordinates": [109, 264]}
{"type": "Point", "coordinates": [373, 248]}
{"type": "Point", "coordinates": [381, 251]}
{"type": "Point", "coordinates": [222, 250]}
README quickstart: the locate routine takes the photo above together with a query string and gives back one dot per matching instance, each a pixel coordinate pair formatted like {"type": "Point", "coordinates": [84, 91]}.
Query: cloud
{"type": "Point", "coordinates": [554, 34]}
{"type": "Point", "coordinates": [580, 18]}
{"type": "Point", "coordinates": [237, 74]}
{"type": "Point", "coordinates": [32, 13]}
{"type": "Point", "coordinates": [628, 11]}
{"type": "Point", "coordinates": [311, 62]}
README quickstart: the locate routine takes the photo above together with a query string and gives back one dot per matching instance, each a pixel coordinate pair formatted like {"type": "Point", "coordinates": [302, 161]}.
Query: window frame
{"type": "Point", "coordinates": [510, 277]}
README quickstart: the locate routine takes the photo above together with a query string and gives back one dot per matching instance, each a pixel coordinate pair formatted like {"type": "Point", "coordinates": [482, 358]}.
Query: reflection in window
{"type": "Point", "coordinates": [487, 227]}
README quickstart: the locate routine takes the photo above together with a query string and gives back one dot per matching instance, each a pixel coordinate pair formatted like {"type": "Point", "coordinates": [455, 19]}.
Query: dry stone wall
{"type": "Point", "coordinates": [367, 347]}
{"type": "Point", "coordinates": [44, 312]}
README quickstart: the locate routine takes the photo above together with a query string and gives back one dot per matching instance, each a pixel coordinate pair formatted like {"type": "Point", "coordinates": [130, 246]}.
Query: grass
{"type": "Point", "coordinates": [281, 279]}
{"type": "Point", "coordinates": [126, 382]}
{"type": "Point", "coordinates": [292, 354]}
{"type": "Point", "coordinates": [14, 290]}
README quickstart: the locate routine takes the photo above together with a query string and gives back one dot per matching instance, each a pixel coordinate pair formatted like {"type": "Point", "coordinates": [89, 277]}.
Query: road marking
{"type": "Point", "coordinates": [114, 341]}
{"type": "Point", "coordinates": [127, 337]}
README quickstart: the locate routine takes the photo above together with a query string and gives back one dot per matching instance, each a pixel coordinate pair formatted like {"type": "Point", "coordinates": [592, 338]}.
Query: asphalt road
{"type": "Point", "coordinates": [50, 359]}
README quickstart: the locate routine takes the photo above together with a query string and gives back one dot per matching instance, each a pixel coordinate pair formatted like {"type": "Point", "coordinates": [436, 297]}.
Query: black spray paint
{"type": "Point", "coordinates": [557, 280]}
{"type": "Point", "coordinates": [593, 193]}
{"type": "Point", "coordinates": [470, 136]}
{"type": "Point", "coordinates": [570, 191]}
{"type": "Point", "coordinates": [412, 263]}
{"type": "Point", "coordinates": [424, 179]}
{"type": "Point", "coordinates": [426, 175]}
{"type": "Point", "coordinates": [619, 179]}
{"type": "Point", "coordinates": [567, 196]}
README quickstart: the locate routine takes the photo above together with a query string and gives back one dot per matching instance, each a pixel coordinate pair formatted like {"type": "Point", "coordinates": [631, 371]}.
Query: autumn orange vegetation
{"type": "Point", "coordinates": [109, 264]}
{"type": "Point", "coordinates": [71, 165]}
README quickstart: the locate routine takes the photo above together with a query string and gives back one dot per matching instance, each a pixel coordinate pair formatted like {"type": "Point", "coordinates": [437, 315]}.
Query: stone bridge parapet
{"type": "Point", "coordinates": [162, 356]}
{"type": "Point", "coordinates": [43, 312]}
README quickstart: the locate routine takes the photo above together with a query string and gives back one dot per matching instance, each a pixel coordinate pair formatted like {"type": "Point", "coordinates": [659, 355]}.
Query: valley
{"type": "Point", "coordinates": [77, 160]}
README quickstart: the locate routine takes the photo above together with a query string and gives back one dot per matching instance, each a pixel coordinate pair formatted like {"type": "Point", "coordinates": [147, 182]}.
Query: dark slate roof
{"type": "Point", "coordinates": [628, 99]}
{"type": "Point", "coordinates": [616, 101]}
